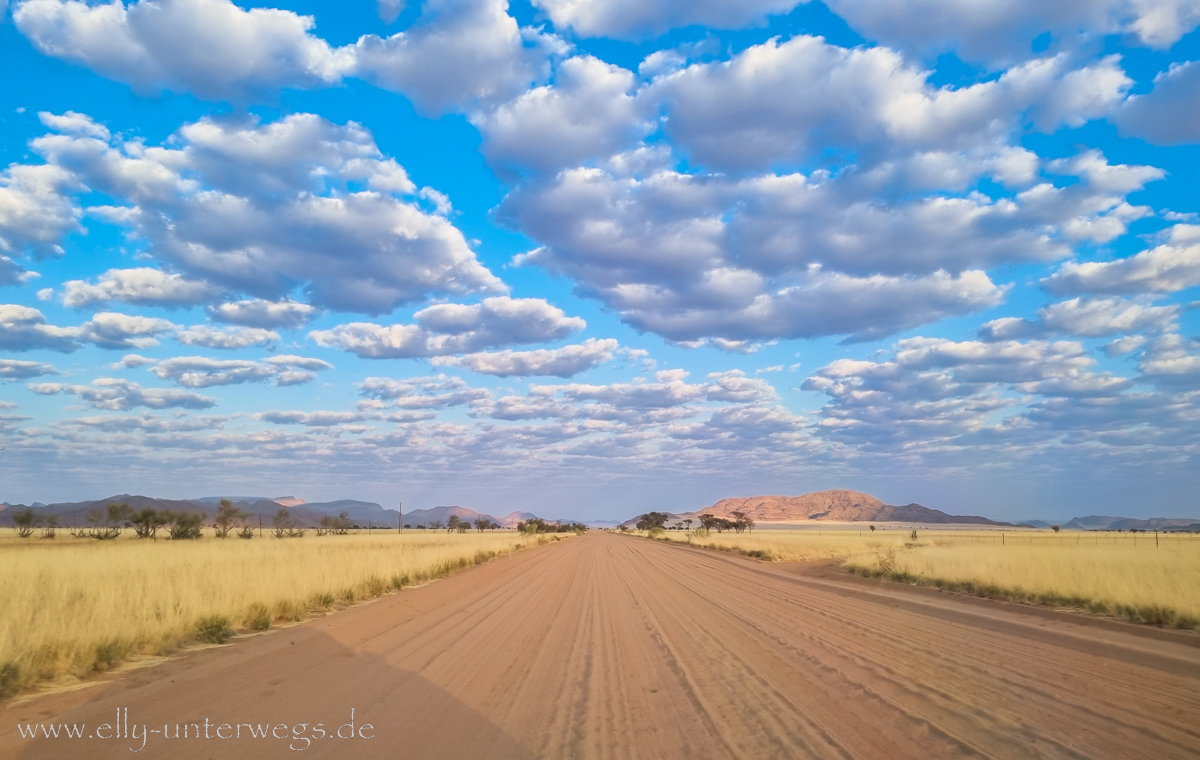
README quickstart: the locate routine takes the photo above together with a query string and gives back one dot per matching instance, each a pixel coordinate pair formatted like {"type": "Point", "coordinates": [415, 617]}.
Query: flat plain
{"type": "Point", "coordinates": [608, 646]}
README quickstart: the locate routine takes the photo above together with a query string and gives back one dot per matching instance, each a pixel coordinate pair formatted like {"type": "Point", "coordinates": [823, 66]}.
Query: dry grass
{"type": "Point", "coordinates": [72, 607]}
{"type": "Point", "coordinates": [1125, 575]}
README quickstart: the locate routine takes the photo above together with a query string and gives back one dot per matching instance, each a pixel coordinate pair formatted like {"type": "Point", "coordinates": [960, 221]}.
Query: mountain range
{"type": "Point", "coordinates": [306, 514]}
{"type": "Point", "coordinates": [836, 505]}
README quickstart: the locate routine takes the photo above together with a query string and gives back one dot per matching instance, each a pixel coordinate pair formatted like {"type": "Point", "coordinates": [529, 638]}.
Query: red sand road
{"type": "Point", "coordinates": [611, 647]}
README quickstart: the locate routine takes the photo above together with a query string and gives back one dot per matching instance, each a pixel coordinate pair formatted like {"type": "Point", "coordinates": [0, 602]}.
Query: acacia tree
{"type": "Point", "coordinates": [25, 521]}
{"type": "Point", "coordinates": [147, 523]}
{"type": "Point", "coordinates": [652, 520]}
{"type": "Point", "coordinates": [453, 523]}
{"type": "Point", "coordinates": [227, 515]}
{"type": "Point", "coordinates": [105, 524]}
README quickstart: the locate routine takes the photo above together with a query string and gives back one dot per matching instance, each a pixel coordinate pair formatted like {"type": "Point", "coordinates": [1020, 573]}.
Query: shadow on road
{"type": "Point", "coordinates": [278, 690]}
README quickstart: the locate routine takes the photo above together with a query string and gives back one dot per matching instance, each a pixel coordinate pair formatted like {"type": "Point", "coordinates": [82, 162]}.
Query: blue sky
{"type": "Point", "coordinates": [593, 258]}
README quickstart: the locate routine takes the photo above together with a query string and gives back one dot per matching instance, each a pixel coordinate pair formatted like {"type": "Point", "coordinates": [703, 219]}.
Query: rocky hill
{"type": "Point", "coordinates": [839, 505]}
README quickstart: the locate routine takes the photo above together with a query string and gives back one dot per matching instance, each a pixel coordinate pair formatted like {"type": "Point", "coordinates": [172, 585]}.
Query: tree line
{"type": "Point", "coordinates": [658, 521]}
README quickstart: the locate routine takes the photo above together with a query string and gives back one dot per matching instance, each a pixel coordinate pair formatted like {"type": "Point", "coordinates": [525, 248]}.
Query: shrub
{"type": "Point", "coordinates": [213, 629]}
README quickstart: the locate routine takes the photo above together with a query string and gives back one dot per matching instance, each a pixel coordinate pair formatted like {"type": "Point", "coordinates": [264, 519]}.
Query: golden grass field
{"type": "Point", "coordinates": [1126, 575]}
{"type": "Point", "coordinates": [73, 606]}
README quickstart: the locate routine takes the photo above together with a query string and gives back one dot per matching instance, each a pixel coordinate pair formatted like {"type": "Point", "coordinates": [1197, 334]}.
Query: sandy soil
{"type": "Point", "coordinates": [611, 647]}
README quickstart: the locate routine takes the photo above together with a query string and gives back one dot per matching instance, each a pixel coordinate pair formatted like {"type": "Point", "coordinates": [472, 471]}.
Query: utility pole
{"type": "Point", "coordinates": [400, 511]}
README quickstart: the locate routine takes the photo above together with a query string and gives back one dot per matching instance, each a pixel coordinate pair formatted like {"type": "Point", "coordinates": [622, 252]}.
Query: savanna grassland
{"type": "Point", "coordinates": [72, 606]}
{"type": "Point", "coordinates": [1136, 576]}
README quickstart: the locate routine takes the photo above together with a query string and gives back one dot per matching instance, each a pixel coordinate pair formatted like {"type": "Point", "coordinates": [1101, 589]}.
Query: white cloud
{"type": "Point", "coordinates": [122, 395]}
{"type": "Point", "coordinates": [211, 48]}
{"type": "Point", "coordinates": [634, 19]}
{"type": "Point", "coordinates": [73, 123]}
{"type": "Point", "coordinates": [567, 361]}
{"type": "Point", "coordinates": [1164, 116]}
{"type": "Point", "coordinates": [313, 419]}
{"type": "Point", "coordinates": [110, 330]}
{"type": "Point", "coordinates": [1167, 268]}
{"type": "Point", "coordinates": [1004, 31]}
{"type": "Point", "coordinates": [203, 372]}
{"type": "Point", "coordinates": [1085, 318]}
{"type": "Point", "coordinates": [23, 328]}
{"type": "Point", "coordinates": [218, 51]}
{"type": "Point", "coordinates": [36, 209]}
{"type": "Point", "coordinates": [286, 315]}
{"type": "Point", "coordinates": [1172, 360]}
{"type": "Point", "coordinates": [129, 361]}
{"type": "Point", "coordinates": [481, 53]}
{"type": "Point", "coordinates": [434, 392]}
{"type": "Point", "coordinates": [783, 103]}
{"type": "Point", "coordinates": [229, 338]}
{"type": "Point", "coordinates": [262, 209]}
{"type": "Point", "coordinates": [445, 329]}
{"type": "Point", "coordinates": [588, 112]}
{"type": "Point", "coordinates": [11, 369]}
{"type": "Point", "coordinates": [142, 286]}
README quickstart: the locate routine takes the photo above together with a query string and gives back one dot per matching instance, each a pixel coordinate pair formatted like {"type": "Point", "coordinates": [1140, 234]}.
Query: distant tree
{"type": "Point", "coordinates": [872, 527]}
{"type": "Point", "coordinates": [227, 515]}
{"type": "Point", "coordinates": [463, 526]}
{"type": "Point", "coordinates": [652, 520]}
{"type": "Point", "coordinates": [147, 523]}
{"type": "Point", "coordinates": [25, 521]}
{"type": "Point", "coordinates": [286, 525]}
{"type": "Point", "coordinates": [246, 532]}
{"type": "Point", "coordinates": [51, 526]}
{"type": "Point", "coordinates": [436, 525]}
{"type": "Point", "coordinates": [708, 522]}
{"type": "Point", "coordinates": [742, 522]}
{"type": "Point", "coordinates": [410, 527]}
{"type": "Point", "coordinates": [688, 523]}
{"type": "Point", "coordinates": [533, 525]}
{"type": "Point", "coordinates": [483, 524]}
{"type": "Point", "coordinates": [105, 524]}
{"type": "Point", "coordinates": [1056, 528]}
{"type": "Point", "coordinates": [184, 525]}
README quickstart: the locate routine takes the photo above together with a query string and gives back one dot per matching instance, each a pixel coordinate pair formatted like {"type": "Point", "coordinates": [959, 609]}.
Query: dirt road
{"type": "Point", "coordinates": [612, 647]}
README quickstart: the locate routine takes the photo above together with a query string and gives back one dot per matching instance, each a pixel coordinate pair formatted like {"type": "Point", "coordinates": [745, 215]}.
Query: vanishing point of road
{"type": "Point", "coordinates": [606, 646]}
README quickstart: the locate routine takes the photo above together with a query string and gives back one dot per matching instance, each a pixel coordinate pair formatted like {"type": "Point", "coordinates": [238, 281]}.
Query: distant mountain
{"type": "Point", "coordinates": [442, 515]}
{"type": "Point", "coordinates": [1034, 524]}
{"type": "Point", "coordinates": [284, 501]}
{"type": "Point", "coordinates": [840, 505]}
{"type": "Point", "coordinates": [1107, 522]}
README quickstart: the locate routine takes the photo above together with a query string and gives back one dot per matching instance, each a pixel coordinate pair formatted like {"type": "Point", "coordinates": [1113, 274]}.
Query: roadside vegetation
{"type": "Point", "coordinates": [1139, 576]}
{"type": "Point", "coordinates": [132, 584]}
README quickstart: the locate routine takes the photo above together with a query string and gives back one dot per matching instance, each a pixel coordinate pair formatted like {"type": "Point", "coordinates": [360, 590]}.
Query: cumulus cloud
{"type": "Point", "coordinates": [1172, 360]}
{"type": "Point", "coordinates": [203, 372]}
{"type": "Point", "coordinates": [1085, 318]}
{"type": "Point", "coordinates": [1001, 32]}
{"type": "Point", "coordinates": [23, 328]}
{"type": "Point", "coordinates": [444, 329]}
{"type": "Point", "coordinates": [285, 315]}
{"type": "Point", "coordinates": [12, 273]}
{"type": "Point", "coordinates": [483, 56]}
{"type": "Point", "coordinates": [229, 338]}
{"type": "Point", "coordinates": [37, 209]}
{"type": "Point", "coordinates": [1164, 116]}
{"type": "Point", "coordinates": [118, 395]}
{"type": "Point", "coordinates": [142, 287]}
{"type": "Point", "coordinates": [211, 48]}
{"type": "Point", "coordinates": [933, 393]}
{"type": "Point", "coordinates": [434, 392]}
{"type": "Point", "coordinates": [263, 209]}
{"type": "Point", "coordinates": [218, 51]}
{"type": "Point", "coordinates": [111, 330]}
{"type": "Point", "coordinates": [1168, 268]}
{"type": "Point", "coordinates": [12, 369]}
{"type": "Point", "coordinates": [631, 19]}
{"type": "Point", "coordinates": [313, 419]}
{"type": "Point", "coordinates": [784, 102]}
{"type": "Point", "coordinates": [567, 361]}
{"type": "Point", "coordinates": [590, 111]}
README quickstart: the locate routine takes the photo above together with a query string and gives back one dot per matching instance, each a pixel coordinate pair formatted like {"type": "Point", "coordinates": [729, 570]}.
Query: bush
{"type": "Point", "coordinates": [213, 629]}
